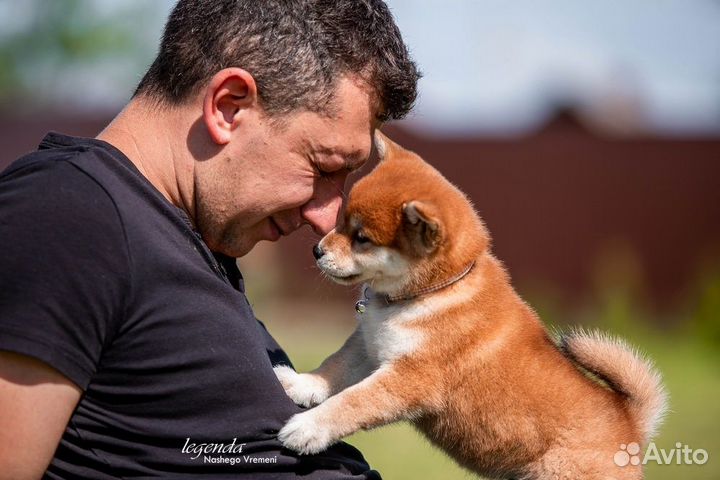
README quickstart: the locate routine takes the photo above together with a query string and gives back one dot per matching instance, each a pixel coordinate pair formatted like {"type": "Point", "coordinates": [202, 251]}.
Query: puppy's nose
{"type": "Point", "coordinates": [318, 252]}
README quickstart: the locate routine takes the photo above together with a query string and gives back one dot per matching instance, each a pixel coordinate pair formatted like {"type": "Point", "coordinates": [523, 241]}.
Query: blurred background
{"type": "Point", "coordinates": [586, 133]}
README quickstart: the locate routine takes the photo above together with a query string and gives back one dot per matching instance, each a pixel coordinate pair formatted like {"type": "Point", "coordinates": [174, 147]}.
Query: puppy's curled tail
{"type": "Point", "coordinates": [625, 370]}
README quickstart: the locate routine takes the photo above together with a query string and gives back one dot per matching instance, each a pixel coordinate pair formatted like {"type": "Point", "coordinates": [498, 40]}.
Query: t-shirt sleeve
{"type": "Point", "coordinates": [63, 267]}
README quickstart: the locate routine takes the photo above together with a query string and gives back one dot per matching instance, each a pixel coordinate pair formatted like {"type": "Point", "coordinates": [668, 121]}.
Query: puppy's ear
{"type": "Point", "coordinates": [422, 227]}
{"type": "Point", "coordinates": [380, 145]}
{"type": "Point", "coordinates": [384, 147]}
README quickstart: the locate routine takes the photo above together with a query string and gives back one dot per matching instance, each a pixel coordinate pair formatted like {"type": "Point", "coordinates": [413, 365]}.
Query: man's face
{"type": "Point", "coordinates": [270, 180]}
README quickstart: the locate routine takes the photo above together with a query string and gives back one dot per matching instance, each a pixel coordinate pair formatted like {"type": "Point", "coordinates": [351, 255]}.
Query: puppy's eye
{"type": "Point", "coordinates": [360, 238]}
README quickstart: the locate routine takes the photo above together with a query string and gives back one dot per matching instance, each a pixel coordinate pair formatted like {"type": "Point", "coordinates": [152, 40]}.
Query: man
{"type": "Point", "coordinates": [127, 346]}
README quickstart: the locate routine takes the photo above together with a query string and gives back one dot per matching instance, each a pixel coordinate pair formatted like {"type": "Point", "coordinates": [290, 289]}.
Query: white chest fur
{"type": "Point", "coordinates": [388, 332]}
{"type": "Point", "coordinates": [391, 330]}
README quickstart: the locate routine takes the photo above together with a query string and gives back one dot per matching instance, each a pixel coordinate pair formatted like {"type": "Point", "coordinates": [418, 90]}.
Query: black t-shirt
{"type": "Point", "coordinates": [106, 281]}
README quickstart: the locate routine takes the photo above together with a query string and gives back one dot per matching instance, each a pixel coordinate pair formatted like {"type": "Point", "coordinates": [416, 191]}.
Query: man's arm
{"type": "Point", "coordinates": [36, 402]}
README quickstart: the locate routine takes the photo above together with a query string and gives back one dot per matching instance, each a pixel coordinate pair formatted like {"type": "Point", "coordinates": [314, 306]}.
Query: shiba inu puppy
{"type": "Point", "coordinates": [445, 342]}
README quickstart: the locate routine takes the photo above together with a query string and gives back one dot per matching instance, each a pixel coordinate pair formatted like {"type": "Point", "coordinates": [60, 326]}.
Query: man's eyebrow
{"type": "Point", "coordinates": [354, 160]}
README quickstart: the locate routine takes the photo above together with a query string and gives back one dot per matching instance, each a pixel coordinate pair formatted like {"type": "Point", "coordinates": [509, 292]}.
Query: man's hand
{"type": "Point", "coordinates": [36, 402]}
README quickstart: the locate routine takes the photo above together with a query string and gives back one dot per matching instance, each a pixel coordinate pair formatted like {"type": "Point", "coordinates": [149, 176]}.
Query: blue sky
{"type": "Point", "coordinates": [496, 64]}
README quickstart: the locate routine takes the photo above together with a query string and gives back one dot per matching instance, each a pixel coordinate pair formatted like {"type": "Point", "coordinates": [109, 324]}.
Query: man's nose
{"type": "Point", "coordinates": [321, 211]}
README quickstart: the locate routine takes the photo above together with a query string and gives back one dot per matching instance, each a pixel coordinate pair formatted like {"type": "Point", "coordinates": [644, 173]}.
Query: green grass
{"type": "Point", "coordinates": [693, 381]}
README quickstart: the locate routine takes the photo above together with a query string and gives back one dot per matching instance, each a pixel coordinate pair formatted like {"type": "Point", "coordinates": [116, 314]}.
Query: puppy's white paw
{"type": "Point", "coordinates": [304, 389]}
{"type": "Point", "coordinates": [305, 434]}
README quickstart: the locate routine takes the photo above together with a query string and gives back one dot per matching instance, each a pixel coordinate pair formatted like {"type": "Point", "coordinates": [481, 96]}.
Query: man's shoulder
{"type": "Point", "coordinates": [69, 160]}
{"type": "Point", "coordinates": [54, 201]}
{"type": "Point", "coordinates": [72, 176]}
{"type": "Point", "coordinates": [52, 182]}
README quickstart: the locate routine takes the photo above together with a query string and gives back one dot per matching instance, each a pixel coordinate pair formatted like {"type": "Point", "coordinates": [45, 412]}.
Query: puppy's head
{"type": "Point", "coordinates": [404, 227]}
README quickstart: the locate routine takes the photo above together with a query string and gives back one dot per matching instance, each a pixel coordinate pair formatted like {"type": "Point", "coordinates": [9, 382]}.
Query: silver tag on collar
{"type": "Point", "coordinates": [361, 306]}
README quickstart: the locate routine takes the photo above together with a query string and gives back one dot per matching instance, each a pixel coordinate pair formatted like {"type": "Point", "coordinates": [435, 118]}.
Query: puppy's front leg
{"type": "Point", "coordinates": [340, 370]}
{"type": "Point", "coordinates": [381, 398]}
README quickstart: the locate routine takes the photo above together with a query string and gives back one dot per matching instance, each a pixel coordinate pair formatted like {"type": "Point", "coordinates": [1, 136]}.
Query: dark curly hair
{"type": "Point", "coordinates": [296, 50]}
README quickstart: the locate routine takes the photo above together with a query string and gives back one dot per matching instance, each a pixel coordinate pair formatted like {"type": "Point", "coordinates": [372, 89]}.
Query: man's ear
{"type": "Point", "coordinates": [422, 226]}
{"type": "Point", "coordinates": [229, 93]}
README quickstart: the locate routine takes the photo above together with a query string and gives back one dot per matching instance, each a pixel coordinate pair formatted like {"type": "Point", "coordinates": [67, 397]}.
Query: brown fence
{"type": "Point", "coordinates": [560, 203]}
